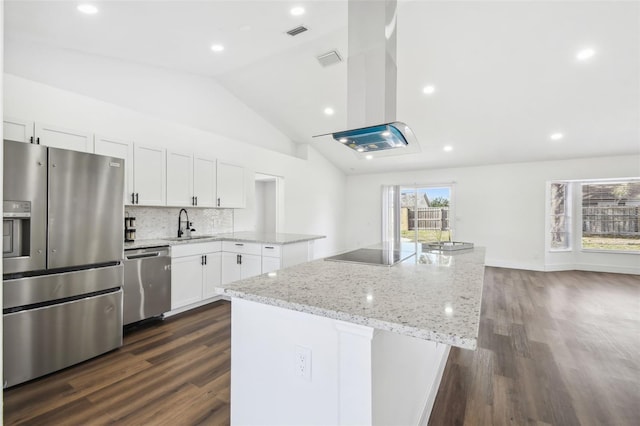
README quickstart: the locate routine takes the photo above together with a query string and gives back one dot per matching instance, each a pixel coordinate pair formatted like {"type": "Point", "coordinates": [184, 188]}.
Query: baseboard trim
{"type": "Point", "coordinates": [590, 267]}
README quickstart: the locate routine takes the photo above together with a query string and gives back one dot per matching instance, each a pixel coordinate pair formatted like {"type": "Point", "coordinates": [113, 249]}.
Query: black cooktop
{"type": "Point", "coordinates": [372, 256]}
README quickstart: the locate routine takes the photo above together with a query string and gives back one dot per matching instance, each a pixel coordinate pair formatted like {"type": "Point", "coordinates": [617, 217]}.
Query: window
{"type": "Point", "coordinates": [425, 214]}
{"type": "Point", "coordinates": [606, 212]}
{"type": "Point", "coordinates": [560, 220]}
{"type": "Point", "coordinates": [610, 213]}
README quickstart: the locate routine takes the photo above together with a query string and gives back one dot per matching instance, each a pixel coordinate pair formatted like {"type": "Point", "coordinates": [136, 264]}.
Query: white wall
{"type": "Point", "coordinates": [315, 189]}
{"type": "Point", "coordinates": [183, 98]}
{"type": "Point", "coordinates": [501, 207]}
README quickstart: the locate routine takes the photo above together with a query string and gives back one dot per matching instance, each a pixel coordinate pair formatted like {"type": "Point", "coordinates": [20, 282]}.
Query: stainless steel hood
{"type": "Point", "coordinates": [372, 83]}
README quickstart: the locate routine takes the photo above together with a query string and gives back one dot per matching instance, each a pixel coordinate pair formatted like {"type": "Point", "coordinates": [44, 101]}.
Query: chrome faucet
{"type": "Point", "coordinates": [180, 230]}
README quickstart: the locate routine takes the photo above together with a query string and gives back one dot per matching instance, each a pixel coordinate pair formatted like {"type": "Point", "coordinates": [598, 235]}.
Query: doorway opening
{"type": "Point", "coordinates": [269, 195]}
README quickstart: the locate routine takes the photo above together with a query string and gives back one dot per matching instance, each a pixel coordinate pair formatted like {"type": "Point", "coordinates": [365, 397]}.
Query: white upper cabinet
{"type": "Point", "coordinates": [180, 179]}
{"type": "Point", "coordinates": [44, 134]}
{"type": "Point", "coordinates": [149, 175]}
{"type": "Point", "coordinates": [58, 137]}
{"type": "Point", "coordinates": [204, 181]}
{"type": "Point", "coordinates": [230, 186]}
{"type": "Point", "coordinates": [191, 180]}
{"type": "Point", "coordinates": [18, 130]}
{"type": "Point", "coordinates": [119, 149]}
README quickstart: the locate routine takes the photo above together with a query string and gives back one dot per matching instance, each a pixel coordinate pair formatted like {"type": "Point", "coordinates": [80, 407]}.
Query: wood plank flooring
{"type": "Point", "coordinates": [558, 348]}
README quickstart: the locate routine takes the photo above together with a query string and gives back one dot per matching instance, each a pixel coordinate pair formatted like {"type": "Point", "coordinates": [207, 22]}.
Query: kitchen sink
{"type": "Point", "coordinates": [199, 237]}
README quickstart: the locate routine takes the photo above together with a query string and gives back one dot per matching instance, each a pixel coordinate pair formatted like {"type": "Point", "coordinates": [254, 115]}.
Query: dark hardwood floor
{"type": "Point", "coordinates": [558, 348]}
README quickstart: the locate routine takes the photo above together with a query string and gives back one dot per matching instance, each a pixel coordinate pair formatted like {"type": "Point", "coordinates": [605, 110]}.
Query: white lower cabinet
{"type": "Point", "coordinates": [186, 281]}
{"type": "Point", "coordinates": [211, 274]}
{"type": "Point", "coordinates": [270, 264]}
{"type": "Point", "coordinates": [195, 273]}
{"type": "Point", "coordinates": [271, 258]}
{"type": "Point", "coordinates": [240, 261]}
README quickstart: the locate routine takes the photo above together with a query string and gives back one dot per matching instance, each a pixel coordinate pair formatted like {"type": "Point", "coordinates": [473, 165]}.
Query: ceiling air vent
{"type": "Point", "coordinates": [297, 30]}
{"type": "Point", "coordinates": [329, 58]}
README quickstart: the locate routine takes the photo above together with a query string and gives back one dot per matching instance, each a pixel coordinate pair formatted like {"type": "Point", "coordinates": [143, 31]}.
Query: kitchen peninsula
{"type": "Point", "coordinates": [345, 343]}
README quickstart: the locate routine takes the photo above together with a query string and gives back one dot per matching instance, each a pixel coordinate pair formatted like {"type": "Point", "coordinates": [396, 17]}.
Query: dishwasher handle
{"type": "Point", "coordinates": [142, 256]}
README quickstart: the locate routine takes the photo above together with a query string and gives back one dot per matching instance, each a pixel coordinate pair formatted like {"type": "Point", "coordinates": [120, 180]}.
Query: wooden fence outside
{"type": "Point", "coordinates": [621, 220]}
{"type": "Point", "coordinates": [425, 218]}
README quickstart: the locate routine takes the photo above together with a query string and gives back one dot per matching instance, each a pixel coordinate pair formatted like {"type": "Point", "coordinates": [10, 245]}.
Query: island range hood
{"type": "Point", "coordinates": [372, 83]}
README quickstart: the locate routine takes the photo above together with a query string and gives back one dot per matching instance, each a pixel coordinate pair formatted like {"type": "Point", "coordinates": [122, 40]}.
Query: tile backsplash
{"type": "Point", "coordinates": [162, 222]}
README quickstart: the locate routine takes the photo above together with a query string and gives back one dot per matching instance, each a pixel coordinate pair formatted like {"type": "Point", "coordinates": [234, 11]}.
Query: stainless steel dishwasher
{"type": "Point", "coordinates": [147, 283]}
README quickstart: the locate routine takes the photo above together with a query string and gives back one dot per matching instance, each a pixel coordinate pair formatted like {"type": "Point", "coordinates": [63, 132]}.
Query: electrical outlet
{"type": "Point", "coordinates": [302, 362]}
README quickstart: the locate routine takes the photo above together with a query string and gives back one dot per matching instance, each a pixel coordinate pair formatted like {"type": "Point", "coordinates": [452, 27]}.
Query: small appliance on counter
{"type": "Point", "coordinates": [129, 228]}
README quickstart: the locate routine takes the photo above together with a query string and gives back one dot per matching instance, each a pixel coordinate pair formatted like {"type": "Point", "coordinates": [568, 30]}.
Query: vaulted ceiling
{"type": "Point", "coordinates": [505, 73]}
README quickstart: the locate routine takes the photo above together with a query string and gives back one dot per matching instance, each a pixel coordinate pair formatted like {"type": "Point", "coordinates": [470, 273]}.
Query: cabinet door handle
{"type": "Point", "coordinates": [137, 201]}
{"type": "Point", "coordinates": [240, 244]}
{"type": "Point", "coordinates": [205, 259]}
{"type": "Point", "coordinates": [268, 247]}
{"type": "Point", "coordinates": [202, 260]}
{"type": "Point", "coordinates": [133, 198]}
{"type": "Point", "coordinates": [31, 139]}
{"type": "Point", "coordinates": [38, 141]}
{"type": "Point", "coordinates": [218, 202]}
{"type": "Point", "coordinates": [196, 201]}
{"type": "Point", "coordinates": [193, 201]}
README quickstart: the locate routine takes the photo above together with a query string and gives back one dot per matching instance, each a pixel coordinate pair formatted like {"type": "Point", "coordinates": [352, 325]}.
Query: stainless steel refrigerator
{"type": "Point", "coordinates": [63, 221]}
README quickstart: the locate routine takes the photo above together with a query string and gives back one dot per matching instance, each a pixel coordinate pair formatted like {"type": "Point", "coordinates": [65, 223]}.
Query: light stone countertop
{"type": "Point", "coordinates": [245, 236]}
{"type": "Point", "coordinates": [432, 296]}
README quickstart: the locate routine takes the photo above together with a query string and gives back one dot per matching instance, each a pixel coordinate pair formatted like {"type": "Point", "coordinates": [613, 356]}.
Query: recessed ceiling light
{"type": "Point", "coordinates": [428, 90]}
{"type": "Point", "coordinates": [585, 54]}
{"type": "Point", "coordinates": [343, 140]}
{"type": "Point", "coordinates": [328, 111]}
{"type": "Point", "coordinates": [369, 157]}
{"type": "Point", "coordinates": [297, 11]}
{"type": "Point", "coordinates": [448, 148]}
{"type": "Point", "coordinates": [556, 136]}
{"type": "Point", "coordinates": [89, 9]}
{"type": "Point", "coordinates": [217, 47]}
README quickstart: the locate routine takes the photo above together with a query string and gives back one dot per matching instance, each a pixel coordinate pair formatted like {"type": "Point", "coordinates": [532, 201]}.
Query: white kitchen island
{"type": "Point", "coordinates": [342, 344]}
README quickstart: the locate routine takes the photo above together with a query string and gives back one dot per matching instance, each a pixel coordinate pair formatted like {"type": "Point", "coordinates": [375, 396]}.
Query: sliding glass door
{"type": "Point", "coordinates": [425, 213]}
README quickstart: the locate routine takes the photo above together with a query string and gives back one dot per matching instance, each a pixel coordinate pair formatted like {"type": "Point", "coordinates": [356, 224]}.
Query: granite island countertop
{"type": "Point", "coordinates": [431, 296]}
{"type": "Point", "coordinates": [243, 236]}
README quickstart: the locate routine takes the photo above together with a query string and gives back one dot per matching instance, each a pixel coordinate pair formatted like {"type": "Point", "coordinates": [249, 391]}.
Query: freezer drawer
{"type": "Point", "coordinates": [42, 340]}
{"type": "Point", "coordinates": [45, 288]}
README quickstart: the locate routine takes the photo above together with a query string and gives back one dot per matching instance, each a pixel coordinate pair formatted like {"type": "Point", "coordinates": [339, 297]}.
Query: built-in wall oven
{"type": "Point", "coordinates": [63, 221]}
